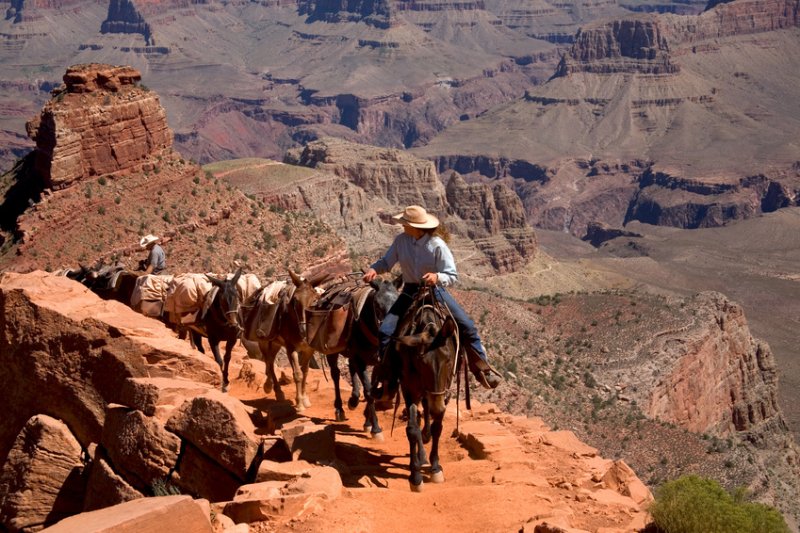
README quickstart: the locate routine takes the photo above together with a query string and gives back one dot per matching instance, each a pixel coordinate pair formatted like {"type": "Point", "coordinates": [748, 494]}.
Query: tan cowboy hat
{"type": "Point", "coordinates": [416, 217]}
{"type": "Point", "coordinates": [147, 240]}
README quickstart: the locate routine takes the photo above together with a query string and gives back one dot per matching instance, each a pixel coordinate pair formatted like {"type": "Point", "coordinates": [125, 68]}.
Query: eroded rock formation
{"type": "Point", "coordinates": [492, 216]}
{"type": "Point", "coordinates": [101, 122]}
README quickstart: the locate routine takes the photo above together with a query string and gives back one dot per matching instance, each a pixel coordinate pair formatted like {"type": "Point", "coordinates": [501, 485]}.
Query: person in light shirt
{"type": "Point", "coordinates": [424, 259]}
{"type": "Point", "coordinates": [156, 262]}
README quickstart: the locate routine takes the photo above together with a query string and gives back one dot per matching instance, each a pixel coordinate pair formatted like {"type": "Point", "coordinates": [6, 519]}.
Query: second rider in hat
{"type": "Point", "coordinates": [425, 259]}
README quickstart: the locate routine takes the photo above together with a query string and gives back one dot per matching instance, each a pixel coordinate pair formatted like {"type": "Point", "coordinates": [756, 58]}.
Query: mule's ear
{"type": "Point", "coordinates": [296, 279]}
{"type": "Point", "coordinates": [375, 284]}
{"type": "Point", "coordinates": [214, 281]}
{"type": "Point", "coordinates": [446, 331]}
{"type": "Point", "coordinates": [398, 282]}
{"type": "Point", "coordinates": [237, 276]}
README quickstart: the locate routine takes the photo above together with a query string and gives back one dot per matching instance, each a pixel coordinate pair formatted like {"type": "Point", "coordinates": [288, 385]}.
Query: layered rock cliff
{"type": "Point", "coordinates": [123, 17]}
{"type": "Point", "coordinates": [101, 122]}
{"type": "Point", "coordinates": [491, 216]}
{"type": "Point", "coordinates": [377, 13]}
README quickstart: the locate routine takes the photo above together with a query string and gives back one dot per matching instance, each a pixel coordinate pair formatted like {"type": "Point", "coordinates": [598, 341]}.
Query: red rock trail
{"type": "Point", "coordinates": [527, 474]}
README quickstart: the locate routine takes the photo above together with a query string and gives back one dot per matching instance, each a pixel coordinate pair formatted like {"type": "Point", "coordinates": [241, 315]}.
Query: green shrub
{"type": "Point", "coordinates": [692, 504]}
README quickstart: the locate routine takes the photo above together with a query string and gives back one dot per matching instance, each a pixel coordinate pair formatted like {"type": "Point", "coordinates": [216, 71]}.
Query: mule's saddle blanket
{"type": "Point", "coordinates": [330, 320]}
{"type": "Point", "coordinates": [263, 321]}
{"type": "Point", "coordinates": [150, 287]}
{"type": "Point", "coordinates": [187, 293]}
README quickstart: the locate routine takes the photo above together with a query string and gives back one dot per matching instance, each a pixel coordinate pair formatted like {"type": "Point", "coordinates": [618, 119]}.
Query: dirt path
{"type": "Point", "coordinates": [528, 473]}
{"type": "Point", "coordinates": [248, 167]}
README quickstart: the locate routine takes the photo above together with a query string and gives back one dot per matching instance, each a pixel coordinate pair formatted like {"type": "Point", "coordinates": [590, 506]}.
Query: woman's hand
{"type": "Point", "coordinates": [369, 275]}
{"type": "Point", "coordinates": [431, 278]}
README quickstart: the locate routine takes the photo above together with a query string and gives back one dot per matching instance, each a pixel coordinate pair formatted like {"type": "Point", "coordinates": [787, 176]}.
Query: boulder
{"type": "Point", "coordinates": [164, 513]}
{"type": "Point", "coordinates": [220, 427]}
{"type": "Point", "coordinates": [139, 446]}
{"type": "Point", "coordinates": [105, 487]}
{"type": "Point", "coordinates": [311, 442]}
{"type": "Point", "coordinates": [270, 499]}
{"type": "Point", "coordinates": [42, 479]}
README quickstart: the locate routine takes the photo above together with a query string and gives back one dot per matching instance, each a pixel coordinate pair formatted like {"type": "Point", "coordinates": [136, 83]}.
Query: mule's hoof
{"type": "Point", "coordinates": [306, 402]}
{"type": "Point", "coordinates": [367, 428]}
{"type": "Point", "coordinates": [415, 488]}
{"type": "Point", "coordinates": [224, 387]}
{"type": "Point", "coordinates": [437, 477]}
{"type": "Point", "coordinates": [340, 415]}
{"type": "Point", "coordinates": [377, 437]}
{"type": "Point", "coordinates": [352, 402]}
{"type": "Point", "coordinates": [268, 386]}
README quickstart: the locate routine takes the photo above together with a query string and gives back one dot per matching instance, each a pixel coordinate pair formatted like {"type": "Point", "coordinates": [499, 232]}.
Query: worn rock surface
{"type": "Point", "coordinates": [42, 480]}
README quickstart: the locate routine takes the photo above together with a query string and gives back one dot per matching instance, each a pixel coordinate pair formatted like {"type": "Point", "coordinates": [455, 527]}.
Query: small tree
{"type": "Point", "coordinates": [692, 504]}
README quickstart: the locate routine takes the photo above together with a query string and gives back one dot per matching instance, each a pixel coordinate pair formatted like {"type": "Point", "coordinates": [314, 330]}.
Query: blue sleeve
{"type": "Point", "coordinates": [445, 264]}
{"type": "Point", "coordinates": [389, 259]}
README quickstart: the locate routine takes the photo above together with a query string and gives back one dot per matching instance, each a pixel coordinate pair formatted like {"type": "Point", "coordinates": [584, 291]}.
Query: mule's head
{"type": "Point", "coordinates": [386, 293]}
{"type": "Point", "coordinates": [432, 353]}
{"type": "Point", "coordinates": [305, 296]}
{"type": "Point", "coordinates": [227, 301]}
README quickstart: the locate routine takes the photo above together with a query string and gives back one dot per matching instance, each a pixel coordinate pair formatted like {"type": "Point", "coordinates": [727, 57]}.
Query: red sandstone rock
{"type": "Point", "coordinates": [102, 123]}
{"type": "Point", "coordinates": [139, 446]}
{"type": "Point", "coordinates": [262, 501]}
{"type": "Point", "coordinates": [42, 478]}
{"type": "Point", "coordinates": [310, 442]}
{"type": "Point", "coordinates": [166, 513]}
{"type": "Point", "coordinates": [219, 426]}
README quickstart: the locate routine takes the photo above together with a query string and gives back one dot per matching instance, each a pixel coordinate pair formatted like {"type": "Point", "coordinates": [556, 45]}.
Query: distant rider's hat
{"type": "Point", "coordinates": [416, 217]}
{"type": "Point", "coordinates": [147, 240]}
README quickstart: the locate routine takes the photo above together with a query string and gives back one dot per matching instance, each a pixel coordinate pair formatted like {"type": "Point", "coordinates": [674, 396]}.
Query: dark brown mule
{"type": "Point", "coordinates": [355, 336]}
{"type": "Point", "coordinates": [282, 323]}
{"type": "Point", "coordinates": [221, 321]}
{"type": "Point", "coordinates": [426, 350]}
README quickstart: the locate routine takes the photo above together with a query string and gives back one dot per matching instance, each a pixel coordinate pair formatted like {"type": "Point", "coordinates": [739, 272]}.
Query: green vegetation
{"type": "Point", "coordinates": [692, 504]}
{"type": "Point", "coordinates": [162, 487]}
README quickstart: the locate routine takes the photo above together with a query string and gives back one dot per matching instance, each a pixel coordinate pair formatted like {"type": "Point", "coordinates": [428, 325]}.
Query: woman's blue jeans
{"type": "Point", "coordinates": [467, 331]}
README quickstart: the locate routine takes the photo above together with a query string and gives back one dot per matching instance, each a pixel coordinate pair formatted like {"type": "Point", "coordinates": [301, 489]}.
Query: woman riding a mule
{"type": "Point", "coordinates": [425, 259]}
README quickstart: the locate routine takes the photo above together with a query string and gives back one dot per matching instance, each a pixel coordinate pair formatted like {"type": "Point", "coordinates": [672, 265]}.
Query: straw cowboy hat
{"type": "Point", "coordinates": [147, 240]}
{"type": "Point", "coordinates": [416, 217]}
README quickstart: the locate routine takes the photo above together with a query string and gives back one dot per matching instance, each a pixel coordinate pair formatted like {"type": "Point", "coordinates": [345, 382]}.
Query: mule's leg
{"type": "Point", "coordinates": [197, 341]}
{"type": "Point", "coordinates": [214, 343]}
{"type": "Point", "coordinates": [414, 445]}
{"type": "Point", "coordinates": [229, 344]}
{"type": "Point", "coordinates": [268, 351]}
{"type": "Point", "coordinates": [355, 379]}
{"type": "Point", "coordinates": [426, 428]}
{"type": "Point", "coordinates": [297, 374]}
{"type": "Point", "coordinates": [371, 423]}
{"type": "Point", "coordinates": [305, 361]}
{"type": "Point", "coordinates": [437, 474]}
{"type": "Point", "coordinates": [333, 363]}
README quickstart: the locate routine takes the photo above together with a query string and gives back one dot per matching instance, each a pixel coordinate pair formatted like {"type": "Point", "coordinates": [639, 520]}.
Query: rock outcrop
{"type": "Point", "coordinates": [377, 13]}
{"type": "Point", "coordinates": [101, 122]}
{"type": "Point", "coordinates": [643, 44]}
{"type": "Point", "coordinates": [99, 367]}
{"type": "Point", "coordinates": [734, 374]}
{"type": "Point", "coordinates": [491, 216]}
{"type": "Point", "coordinates": [392, 174]}
{"type": "Point", "coordinates": [123, 17]}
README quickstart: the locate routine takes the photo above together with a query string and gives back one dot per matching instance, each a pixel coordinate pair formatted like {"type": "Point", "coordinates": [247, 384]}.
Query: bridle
{"type": "Point", "coordinates": [440, 311]}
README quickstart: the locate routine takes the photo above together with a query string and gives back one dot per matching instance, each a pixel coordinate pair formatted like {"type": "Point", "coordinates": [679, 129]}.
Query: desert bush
{"type": "Point", "coordinates": [692, 504]}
